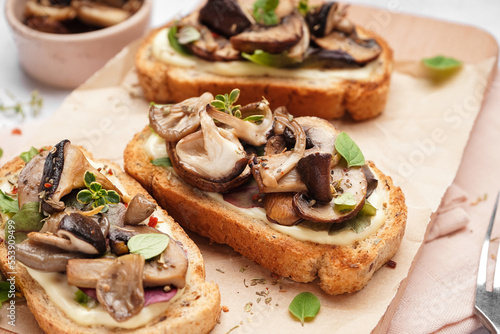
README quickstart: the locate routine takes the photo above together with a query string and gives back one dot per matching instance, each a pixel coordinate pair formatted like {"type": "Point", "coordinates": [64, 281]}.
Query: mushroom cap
{"type": "Point", "coordinates": [173, 122]}
{"type": "Point", "coordinates": [273, 39]}
{"type": "Point", "coordinates": [119, 288]}
{"type": "Point", "coordinates": [225, 17]}
{"type": "Point", "coordinates": [138, 210]}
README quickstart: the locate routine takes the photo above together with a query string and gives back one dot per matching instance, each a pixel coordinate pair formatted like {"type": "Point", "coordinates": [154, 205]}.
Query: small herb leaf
{"type": "Point", "coordinates": [303, 7]}
{"type": "Point", "coordinates": [4, 291]}
{"type": "Point", "coordinates": [165, 162]}
{"type": "Point", "coordinates": [8, 204]}
{"type": "Point", "coordinates": [254, 118]}
{"type": "Point", "coordinates": [264, 11]}
{"type": "Point", "coordinates": [345, 202]}
{"type": "Point", "coordinates": [349, 150]}
{"type": "Point", "coordinates": [368, 210]}
{"type": "Point", "coordinates": [174, 42]}
{"type": "Point", "coordinates": [84, 196]}
{"type": "Point", "coordinates": [28, 155]}
{"type": "Point", "coordinates": [89, 178]}
{"type": "Point", "coordinates": [113, 197]}
{"type": "Point", "coordinates": [442, 63]}
{"type": "Point", "coordinates": [1, 152]}
{"type": "Point", "coordinates": [149, 244]}
{"type": "Point", "coordinates": [269, 59]}
{"type": "Point", "coordinates": [187, 35]}
{"type": "Point", "coordinates": [95, 187]}
{"type": "Point", "coordinates": [305, 305]}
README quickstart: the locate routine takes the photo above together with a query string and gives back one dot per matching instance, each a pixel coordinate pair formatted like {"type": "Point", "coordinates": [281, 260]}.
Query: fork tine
{"type": "Point", "coordinates": [483, 262]}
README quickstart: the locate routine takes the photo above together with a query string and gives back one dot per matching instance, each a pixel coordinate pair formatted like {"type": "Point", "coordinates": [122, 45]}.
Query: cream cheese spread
{"type": "Point", "coordinates": [162, 51]}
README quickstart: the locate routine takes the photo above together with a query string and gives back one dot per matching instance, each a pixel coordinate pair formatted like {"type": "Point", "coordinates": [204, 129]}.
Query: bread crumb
{"type": "Point", "coordinates": [225, 308]}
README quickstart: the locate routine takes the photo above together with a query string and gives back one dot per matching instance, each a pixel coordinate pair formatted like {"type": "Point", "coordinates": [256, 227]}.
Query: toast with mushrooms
{"type": "Point", "coordinates": [91, 252]}
{"type": "Point", "coordinates": [315, 64]}
{"type": "Point", "coordinates": [292, 194]}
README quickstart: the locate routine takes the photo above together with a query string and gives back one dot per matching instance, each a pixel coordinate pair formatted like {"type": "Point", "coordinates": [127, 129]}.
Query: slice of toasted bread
{"type": "Point", "coordinates": [195, 311]}
{"type": "Point", "coordinates": [340, 269]}
{"type": "Point", "coordinates": [361, 98]}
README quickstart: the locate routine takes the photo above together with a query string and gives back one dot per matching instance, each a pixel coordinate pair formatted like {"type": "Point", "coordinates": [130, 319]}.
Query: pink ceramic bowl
{"type": "Point", "coordinates": [66, 61]}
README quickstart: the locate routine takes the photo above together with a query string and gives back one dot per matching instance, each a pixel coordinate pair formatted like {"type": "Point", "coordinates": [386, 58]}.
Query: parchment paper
{"type": "Point", "coordinates": [418, 140]}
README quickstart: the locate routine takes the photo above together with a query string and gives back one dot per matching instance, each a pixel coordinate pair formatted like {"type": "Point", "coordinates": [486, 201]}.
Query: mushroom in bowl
{"type": "Point", "coordinates": [52, 55]}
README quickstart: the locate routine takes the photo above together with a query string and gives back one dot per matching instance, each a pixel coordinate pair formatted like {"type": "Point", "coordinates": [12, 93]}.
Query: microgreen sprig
{"type": "Point", "coordinates": [264, 12]}
{"type": "Point", "coordinates": [95, 194]}
{"type": "Point", "coordinates": [225, 103]}
{"type": "Point", "coordinates": [35, 104]}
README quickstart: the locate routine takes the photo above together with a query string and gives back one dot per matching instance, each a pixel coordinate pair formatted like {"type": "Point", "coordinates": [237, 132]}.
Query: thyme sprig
{"type": "Point", "coordinates": [95, 194]}
{"type": "Point", "coordinates": [225, 103]}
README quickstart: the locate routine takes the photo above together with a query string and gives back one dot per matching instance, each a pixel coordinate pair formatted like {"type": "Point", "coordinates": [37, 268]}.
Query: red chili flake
{"type": "Point", "coordinates": [153, 221]}
{"type": "Point", "coordinates": [256, 197]}
{"type": "Point", "coordinates": [126, 205]}
{"type": "Point", "coordinates": [391, 264]}
{"type": "Point", "coordinates": [17, 131]}
{"type": "Point", "coordinates": [110, 172]}
{"type": "Point", "coordinates": [47, 185]}
{"type": "Point", "coordinates": [14, 190]}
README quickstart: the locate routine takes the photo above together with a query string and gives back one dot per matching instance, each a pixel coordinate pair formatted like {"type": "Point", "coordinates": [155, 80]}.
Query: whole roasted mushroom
{"type": "Point", "coordinates": [76, 233]}
{"type": "Point", "coordinates": [138, 210]}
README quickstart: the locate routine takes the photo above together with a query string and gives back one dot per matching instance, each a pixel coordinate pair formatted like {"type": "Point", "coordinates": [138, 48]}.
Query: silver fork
{"type": "Point", "coordinates": [488, 302]}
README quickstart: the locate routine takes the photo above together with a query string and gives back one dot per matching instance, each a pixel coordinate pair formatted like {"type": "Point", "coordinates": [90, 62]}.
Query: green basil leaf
{"type": "Point", "coordinates": [360, 223]}
{"type": "Point", "coordinates": [113, 197]}
{"type": "Point", "coordinates": [165, 162]}
{"type": "Point", "coordinates": [148, 245]}
{"type": "Point", "coordinates": [88, 178]}
{"type": "Point", "coordinates": [29, 218]}
{"type": "Point", "coordinates": [1, 152]}
{"type": "Point", "coordinates": [84, 300]}
{"type": "Point", "coordinates": [303, 7]}
{"type": "Point", "coordinates": [95, 187]}
{"type": "Point", "coordinates": [268, 59]}
{"type": "Point", "coordinates": [264, 11]}
{"type": "Point", "coordinates": [4, 292]}
{"type": "Point", "coordinates": [187, 35]}
{"type": "Point", "coordinates": [442, 63]}
{"type": "Point", "coordinates": [349, 150]}
{"type": "Point", "coordinates": [28, 155]}
{"type": "Point", "coordinates": [254, 118]}
{"type": "Point", "coordinates": [174, 43]}
{"type": "Point", "coordinates": [304, 305]}
{"type": "Point", "coordinates": [84, 196]}
{"type": "Point", "coordinates": [8, 204]}
{"type": "Point", "coordinates": [345, 202]}
{"type": "Point", "coordinates": [367, 210]}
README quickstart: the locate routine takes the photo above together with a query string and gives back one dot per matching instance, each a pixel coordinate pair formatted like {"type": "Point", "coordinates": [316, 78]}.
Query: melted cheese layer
{"type": "Point", "coordinates": [342, 238]}
{"type": "Point", "coordinates": [162, 51]}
